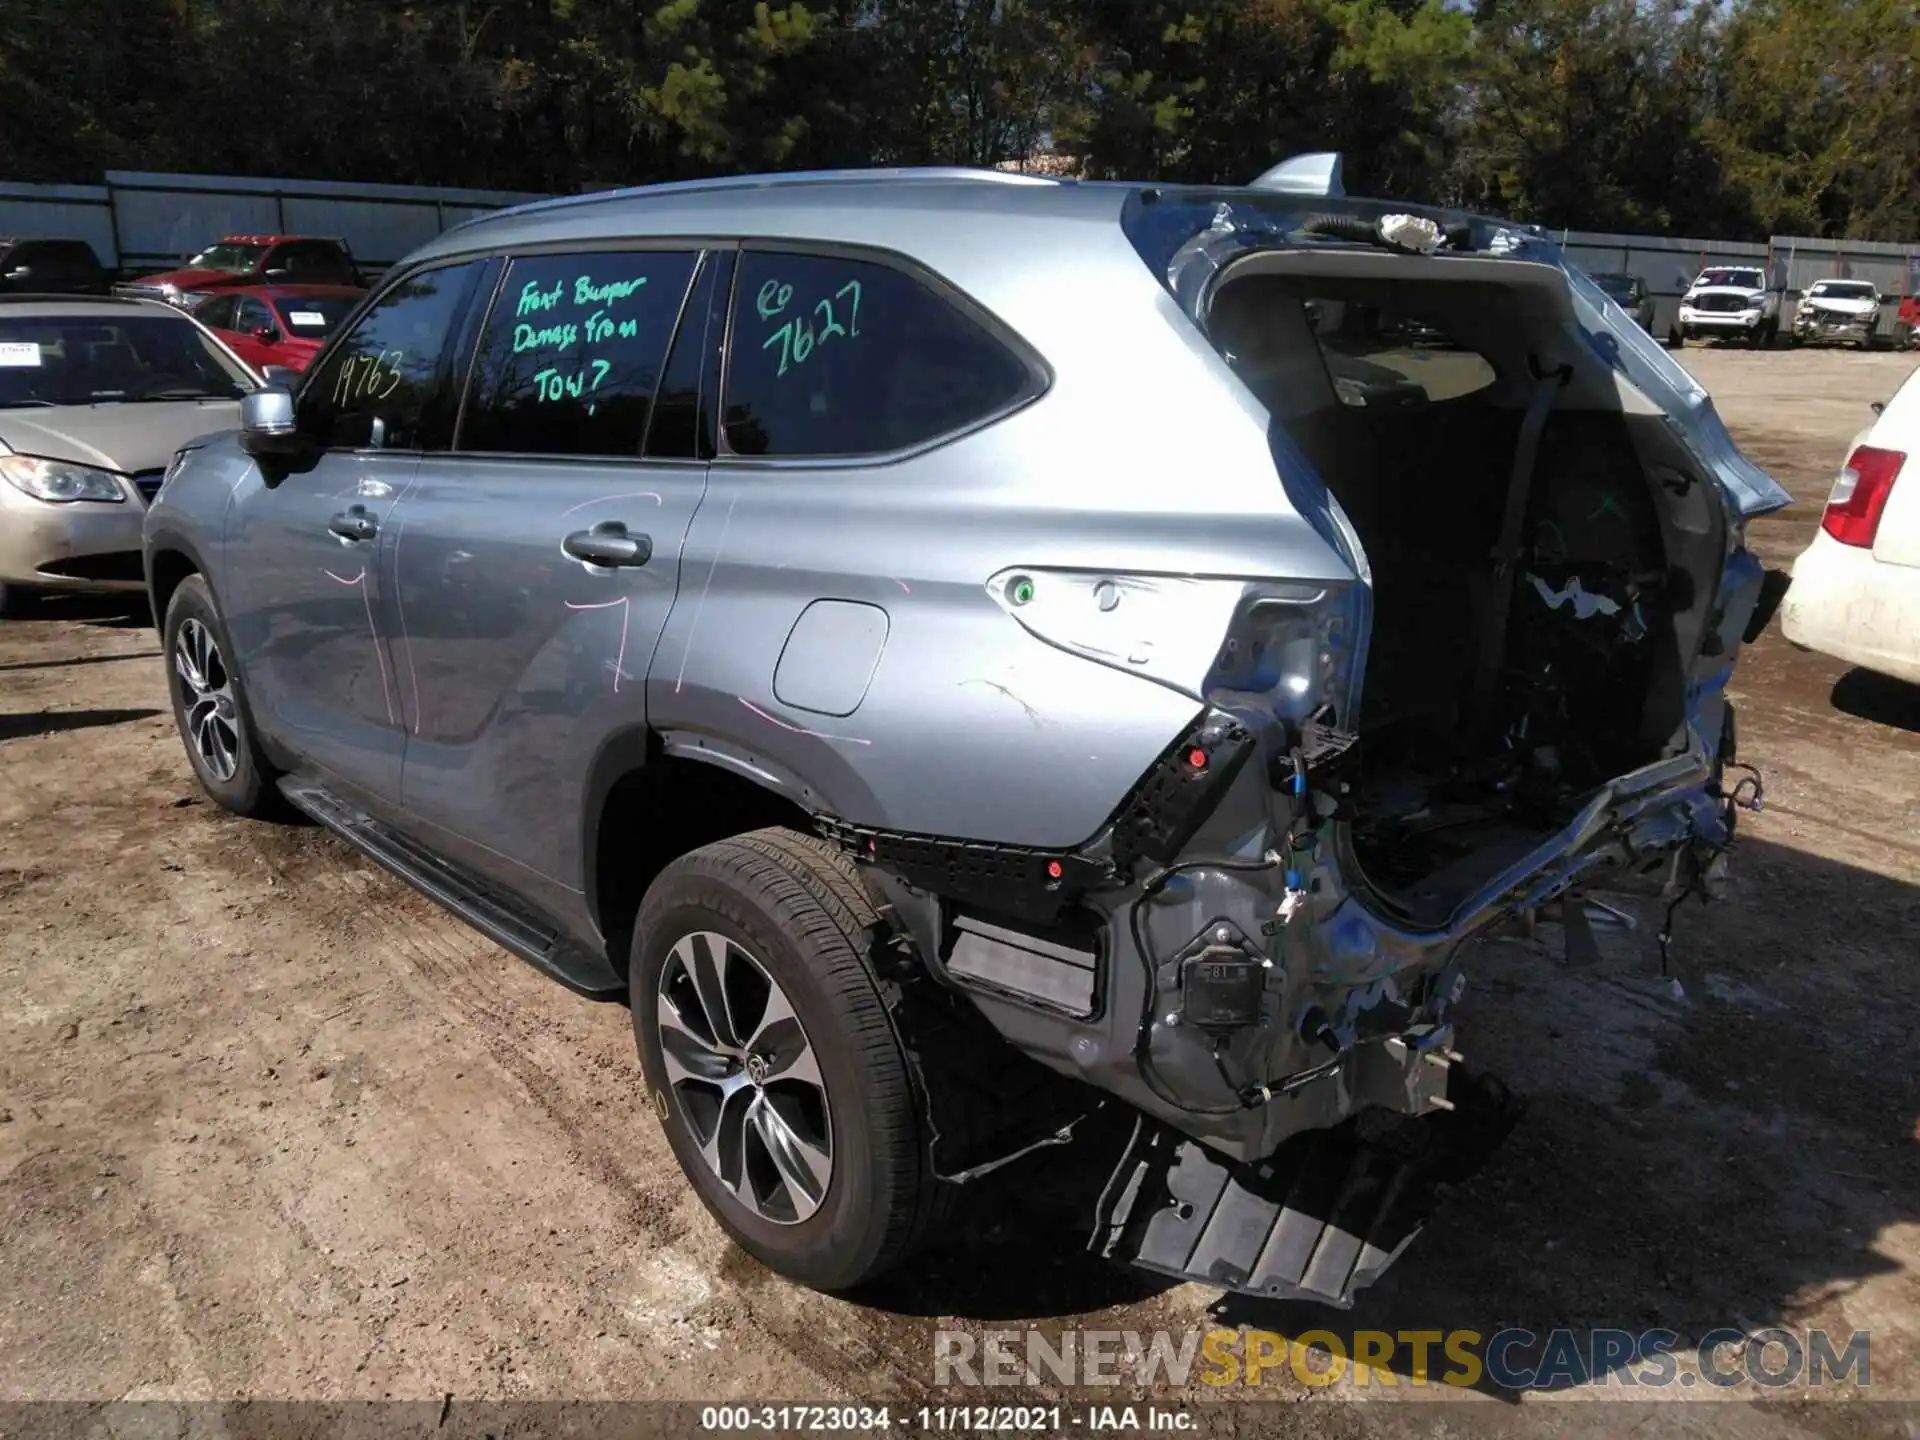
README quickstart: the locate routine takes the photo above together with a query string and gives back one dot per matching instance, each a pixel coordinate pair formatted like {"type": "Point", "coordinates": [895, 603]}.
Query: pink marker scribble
{"type": "Point", "coordinates": [373, 633]}
{"type": "Point", "coordinates": [797, 729]}
{"type": "Point", "coordinates": [620, 659]}
{"type": "Point", "coordinates": [719, 548]}
{"type": "Point", "coordinates": [901, 583]}
{"type": "Point", "coordinates": [609, 499]}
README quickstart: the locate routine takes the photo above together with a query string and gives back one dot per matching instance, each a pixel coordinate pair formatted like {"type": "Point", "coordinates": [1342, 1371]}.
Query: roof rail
{"type": "Point", "coordinates": [1316, 173]}
{"type": "Point", "coordinates": [37, 297]}
{"type": "Point", "coordinates": [791, 178]}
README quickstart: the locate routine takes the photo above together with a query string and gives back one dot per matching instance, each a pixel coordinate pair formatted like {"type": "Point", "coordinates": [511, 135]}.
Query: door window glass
{"type": "Point", "coordinates": [250, 315]}
{"type": "Point", "coordinates": [572, 353]}
{"type": "Point", "coordinates": [682, 417]}
{"type": "Point", "coordinates": [833, 356]}
{"type": "Point", "coordinates": [217, 314]}
{"type": "Point", "coordinates": [388, 383]}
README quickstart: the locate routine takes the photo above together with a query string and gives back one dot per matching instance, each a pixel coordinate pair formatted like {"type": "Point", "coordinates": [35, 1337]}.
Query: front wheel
{"type": "Point", "coordinates": [210, 708]}
{"type": "Point", "coordinates": [15, 601]}
{"type": "Point", "coordinates": [773, 1059]}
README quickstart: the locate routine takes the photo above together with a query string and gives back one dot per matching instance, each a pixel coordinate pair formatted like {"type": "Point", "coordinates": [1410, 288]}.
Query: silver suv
{"type": "Point", "coordinates": [880, 622]}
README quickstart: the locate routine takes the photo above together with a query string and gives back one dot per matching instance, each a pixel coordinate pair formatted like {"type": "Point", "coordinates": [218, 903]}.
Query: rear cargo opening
{"type": "Point", "coordinates": [1542, 552]}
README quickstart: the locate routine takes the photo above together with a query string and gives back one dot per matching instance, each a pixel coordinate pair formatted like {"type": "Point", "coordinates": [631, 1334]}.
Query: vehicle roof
{"type": "Point", "coordinates": [80, 307]}
{"type": "Point", "coordinates": [272, 239]}
{"type": "Point", "coordinates": [770, 204]}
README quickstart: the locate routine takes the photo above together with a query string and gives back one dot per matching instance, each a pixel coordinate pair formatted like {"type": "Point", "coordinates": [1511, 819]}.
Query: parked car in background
{"type": "Point", "coordinates": [281, 325]}
{"type": "Point", "coordinates": [1838, 310]}
{"type": "Point", "coordinates": [1731, 302]}
{"type": "Point", "coordinates": [1629, 292]}
{"type": "Point", "coordinates": [96, 395]}
{"type": "Point", "coordinates": [1855, 593]}
{"type": "Point", "coordinates": [249, 260]}
{"type": "Point", "coordinates": [858, 803]}
{"type": "Point", "coordinates": [50, 267]}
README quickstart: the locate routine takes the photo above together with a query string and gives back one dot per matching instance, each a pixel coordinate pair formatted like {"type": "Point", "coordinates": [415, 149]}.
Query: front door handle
{"type": "Point", "coordinates": [354, 524]}
{"type": "Point", "coordinates": [609, 544]}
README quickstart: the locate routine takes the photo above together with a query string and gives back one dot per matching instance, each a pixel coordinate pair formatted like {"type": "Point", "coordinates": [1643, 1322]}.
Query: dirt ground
{"type": "Point", "coordinates": [271, 1125]}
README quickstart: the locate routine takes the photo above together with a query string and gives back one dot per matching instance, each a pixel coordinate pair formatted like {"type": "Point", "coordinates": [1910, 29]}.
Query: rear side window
{"type": "Point", "coordinates": [388, 384]}
{"type": "Point", "coordinates": [573, 351]}
{"type": "Point", "coordinates": [311, 260]}
{"type": "Point", "coordinates": [836, 356]}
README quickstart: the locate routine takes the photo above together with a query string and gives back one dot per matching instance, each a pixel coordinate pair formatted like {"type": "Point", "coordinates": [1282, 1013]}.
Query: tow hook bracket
{"type": "Point", "coordinates": [1319, 1219]}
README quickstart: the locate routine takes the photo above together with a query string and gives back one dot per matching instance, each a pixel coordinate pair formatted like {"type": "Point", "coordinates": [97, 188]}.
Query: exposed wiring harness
{"type": "Point", "coordinates": [1142, 1045]}
{"type": "Point", "coordinates": [1748, 793]}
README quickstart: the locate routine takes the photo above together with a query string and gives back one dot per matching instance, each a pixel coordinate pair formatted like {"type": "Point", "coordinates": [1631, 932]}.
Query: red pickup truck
{"type": "Point", "coordinates": [249, 260]}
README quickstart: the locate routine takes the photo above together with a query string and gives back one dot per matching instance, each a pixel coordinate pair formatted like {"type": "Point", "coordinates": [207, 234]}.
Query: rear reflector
{"type": "Point", "coordinates": [1860, 495]}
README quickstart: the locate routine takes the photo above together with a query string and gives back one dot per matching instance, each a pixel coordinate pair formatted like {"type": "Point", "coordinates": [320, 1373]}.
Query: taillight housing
{"type": "Point", "coordinates": [1860, 495]}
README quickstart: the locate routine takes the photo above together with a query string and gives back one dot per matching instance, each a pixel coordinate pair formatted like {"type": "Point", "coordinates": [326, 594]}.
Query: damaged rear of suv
{"type": "Point", "coordinates": [1159, 626]}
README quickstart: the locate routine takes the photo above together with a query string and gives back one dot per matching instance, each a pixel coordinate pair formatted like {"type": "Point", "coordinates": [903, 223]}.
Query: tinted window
{"type": "Point", "coordinates": [311, 260]}
{"type": "Point", "coordinates": [831, 356]}
{"type": "Point", "coordinates": [392, 368]}
{"type": "Point", "coordinates": [313, 316]}
{"type": "Point", "coordinates": [217, 313]}
{"type": "Point", "coordinates": [572, 352]}
{"type": "Point", "coordinates": [682, 426]}
{"type": "Point", "coordinates": [250, 315]}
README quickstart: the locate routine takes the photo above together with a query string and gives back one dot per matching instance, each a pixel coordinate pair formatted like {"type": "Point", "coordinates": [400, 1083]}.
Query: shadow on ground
{"type": "Point", "coordinates": [1879, 698]}
{"type": "Point", "coordinates": [1729, 1158]}
{"type": "Point", "coordinates": [1728, 1154]}
{"type": "Point", "coordinates": [116, 612]}
{"type": "Point", "coordinates": [50, 722]}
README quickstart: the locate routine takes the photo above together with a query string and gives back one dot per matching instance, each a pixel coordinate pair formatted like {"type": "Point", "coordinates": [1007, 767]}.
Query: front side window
{"type": "Point", "coordinates": [125, 359]}
{"type": "Point", "coordinates": [250, 315]}
{"type": "Point", "coordinates": [217, 313]}
{"type": "Point", "coordinates": [572, 352]}
{"type": "Point", "coordinates": [836, 356]}
{"type": "Point", "coordinates": [311, 260]}
{"type": "Point", "coordinates": [388, 383]}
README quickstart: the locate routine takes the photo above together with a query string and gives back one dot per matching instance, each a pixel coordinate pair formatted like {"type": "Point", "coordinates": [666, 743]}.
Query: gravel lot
{"type": "Point", "coordinates": [271, 1125]}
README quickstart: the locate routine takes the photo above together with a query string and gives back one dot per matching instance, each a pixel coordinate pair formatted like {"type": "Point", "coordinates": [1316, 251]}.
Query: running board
{"type": "Point", "coordinates": [456, 890]}
{"type": "Point", "coordinates": [1319, 1219]}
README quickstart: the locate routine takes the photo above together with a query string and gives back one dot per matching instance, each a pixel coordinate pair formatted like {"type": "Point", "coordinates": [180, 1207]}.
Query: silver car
{"type": "Point", "coordinates": [96, 395]}
{"type": "Point", "coordinates": [895, 627]}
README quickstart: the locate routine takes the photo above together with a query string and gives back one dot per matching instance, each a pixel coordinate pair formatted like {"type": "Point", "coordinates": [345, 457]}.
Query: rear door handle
{"type": "Point", "coordinates": [354, 524]}
{"type": "Point", "coordinates": [609, 544]}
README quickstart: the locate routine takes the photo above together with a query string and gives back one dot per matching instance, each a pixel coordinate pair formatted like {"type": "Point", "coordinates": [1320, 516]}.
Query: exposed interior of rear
{"type": "Point", "coordinates": [1406, 381]}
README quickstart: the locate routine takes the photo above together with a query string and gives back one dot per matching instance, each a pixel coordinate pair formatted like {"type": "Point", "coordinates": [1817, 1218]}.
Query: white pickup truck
{"type": "Point", "coordinates": [1731, 302]}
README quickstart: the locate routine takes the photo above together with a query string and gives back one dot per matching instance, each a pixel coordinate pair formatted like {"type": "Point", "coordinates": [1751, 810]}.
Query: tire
{"type": "Point", "coordinates": [16, 601]}
{"type": "Point", "coordinates": [776, 915]}
{"type": "Point", "coordinates": [210, 708]}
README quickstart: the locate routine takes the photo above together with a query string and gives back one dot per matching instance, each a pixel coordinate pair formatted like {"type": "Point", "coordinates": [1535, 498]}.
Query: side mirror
{"type": "Point", "coordinates": [267, 335]}
{"type": "Point", "coordinates": [1879, 407]}
{"type": "Point", "coordinates": [266, 422]}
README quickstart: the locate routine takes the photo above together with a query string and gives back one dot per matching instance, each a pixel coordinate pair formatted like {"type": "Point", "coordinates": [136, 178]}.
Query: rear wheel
{"type": "Point", "coordinates": [15, 601]}
{"type": "Point", "coordinates": [775, 1065]}
{"type": "Point", "coordinates": [210, 708]}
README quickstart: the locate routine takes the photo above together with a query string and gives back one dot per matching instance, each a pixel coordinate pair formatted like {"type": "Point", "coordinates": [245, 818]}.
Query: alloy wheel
{"type": "Point", "coordinates": [212, 720]}
{"type": "Point", "coordinates": [744, 1078]}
